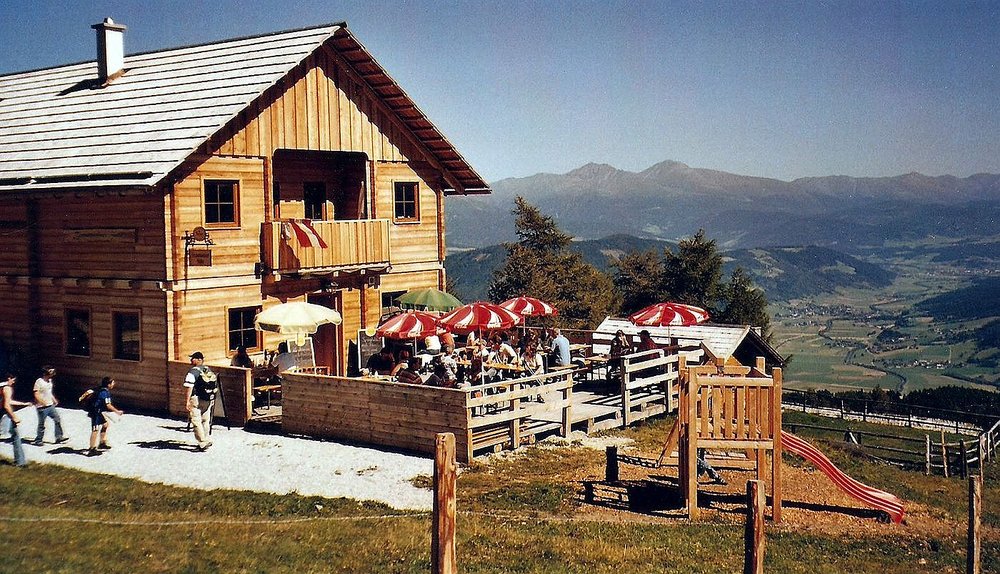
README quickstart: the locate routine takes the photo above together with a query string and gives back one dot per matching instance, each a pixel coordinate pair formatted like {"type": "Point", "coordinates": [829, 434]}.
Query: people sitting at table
{"type": "Point", "coordinates": [410, 374]}
{"type": "Point", "coordinates": [502, 351]}
{"type": "Point", "coordinates": [283, 361]}
{"type": "Point", "coordinates": [381, 363]}
{"type": "Point", "coordinates": [446, 360]}
{"type": "Point", "coordinates": [242, 358]}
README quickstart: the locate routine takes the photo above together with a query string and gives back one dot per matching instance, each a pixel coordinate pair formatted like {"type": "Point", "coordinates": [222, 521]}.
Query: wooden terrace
{"type": "Point", "coordinates": [492, 417]}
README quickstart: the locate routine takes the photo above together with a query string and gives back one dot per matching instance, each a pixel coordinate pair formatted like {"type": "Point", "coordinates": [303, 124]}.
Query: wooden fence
{"type": "Point", "coordinates": [649, 383]}
{"type": "Point", "coordinates": [498, 415]}
{"type": "Point", "coordinates": [933, 455]}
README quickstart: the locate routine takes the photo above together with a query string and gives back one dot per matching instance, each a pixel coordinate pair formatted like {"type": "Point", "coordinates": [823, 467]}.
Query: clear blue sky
{"type": "Point", "coordinates": [774, 89]}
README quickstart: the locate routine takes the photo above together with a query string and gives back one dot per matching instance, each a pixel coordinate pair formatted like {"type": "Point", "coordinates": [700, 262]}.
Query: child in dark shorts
{"type": "Point", "coordinates": [101, 403]}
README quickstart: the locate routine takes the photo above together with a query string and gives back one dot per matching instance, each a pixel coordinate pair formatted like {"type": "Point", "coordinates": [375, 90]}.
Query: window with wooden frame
{"type": "Point", "coordinates": [222, 202]}
{"type": "Point", "coordinates": [126, 336]}
{"type": "Point", "coordinates": [78, 332]}
{"type": "Point", "coordinates": [405, 203]}
{"type": "Point", "coordinates": [241, 330]}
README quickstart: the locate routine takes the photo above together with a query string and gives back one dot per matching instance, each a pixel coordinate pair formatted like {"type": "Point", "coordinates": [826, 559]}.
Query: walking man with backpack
{"type": "Point", "coordinates": [46, 403]}
{"type": "Point", "coordinates": [98, 402]}
{"type": "Point", "coordinates": [200, 386]}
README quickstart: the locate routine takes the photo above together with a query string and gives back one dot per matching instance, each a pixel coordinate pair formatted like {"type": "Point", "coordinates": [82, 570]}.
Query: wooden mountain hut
{"type": "Point", "coordinates": [152, 204]}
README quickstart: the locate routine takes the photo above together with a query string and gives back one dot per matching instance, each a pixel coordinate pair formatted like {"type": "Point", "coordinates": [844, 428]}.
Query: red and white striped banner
{"type": "Point", "coordinates": [307, 234]}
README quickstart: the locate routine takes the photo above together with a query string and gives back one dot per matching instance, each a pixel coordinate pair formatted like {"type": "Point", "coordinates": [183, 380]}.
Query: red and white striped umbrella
{"type": "Point", "coordinates": [669, 314]}
{"type": "Point", "coordinates": [409, 325]}
{"type": "Point", "coordinates": [529, 307]}
{"type": "Point", "coordinates": [479, 316]}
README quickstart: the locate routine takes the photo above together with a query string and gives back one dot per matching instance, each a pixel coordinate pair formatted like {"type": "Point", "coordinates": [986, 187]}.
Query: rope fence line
{"type": "Point", "coordinates": [527, 517]}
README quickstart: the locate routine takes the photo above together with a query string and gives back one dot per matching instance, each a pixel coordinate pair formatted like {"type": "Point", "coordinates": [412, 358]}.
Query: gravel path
{"type": "Point", "coordinates": [160, 451]}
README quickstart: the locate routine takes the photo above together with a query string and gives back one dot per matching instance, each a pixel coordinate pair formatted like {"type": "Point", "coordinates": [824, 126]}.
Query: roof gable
{"type": "Point", "coordinates": [58, 128]}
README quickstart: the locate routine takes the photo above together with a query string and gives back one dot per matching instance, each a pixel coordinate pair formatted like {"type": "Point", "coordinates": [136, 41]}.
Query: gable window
{"type": "Point", "coordinates": [221, 202]}
{"type": "Point", "coordinates": [126, 335]}
{"type": "Point", "coordinates": [405, 201]}
{"type": "Point", "coordinates": [241, 330]}
{"type": "Point", "coordinates": [314, 194]}
{"type": "Point", "coordinates": [78, 332]}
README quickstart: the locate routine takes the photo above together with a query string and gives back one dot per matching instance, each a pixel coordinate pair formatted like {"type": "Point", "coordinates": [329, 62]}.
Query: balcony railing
{"type": "Point", "coordinates": [350, 244]}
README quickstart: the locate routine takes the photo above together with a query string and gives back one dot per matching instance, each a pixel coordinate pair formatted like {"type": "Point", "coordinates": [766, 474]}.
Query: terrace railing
{"type": "Point", "coordinates": [351, 244]}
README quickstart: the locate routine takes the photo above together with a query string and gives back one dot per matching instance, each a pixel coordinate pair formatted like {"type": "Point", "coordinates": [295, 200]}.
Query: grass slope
{"type": "Point", "coordinates": [521, 513]}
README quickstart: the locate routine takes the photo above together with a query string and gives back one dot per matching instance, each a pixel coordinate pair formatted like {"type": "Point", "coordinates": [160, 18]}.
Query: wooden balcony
{"type": "Point", "coordinates": [353, 244]}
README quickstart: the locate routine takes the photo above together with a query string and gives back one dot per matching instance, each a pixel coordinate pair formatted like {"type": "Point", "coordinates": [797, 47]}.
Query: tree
{"type": "Point", "coordinates": [693, 274]}
{"type": "Point", "coordinates": [541, 264]}
{"type": "Point", "coordinates": [743, 303]}
{"type": "Point", "coordinates": [637, 279]}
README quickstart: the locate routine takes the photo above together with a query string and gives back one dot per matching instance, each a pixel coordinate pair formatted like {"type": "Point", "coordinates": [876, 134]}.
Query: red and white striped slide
{"type": "Point", "coordinates": [873, 497]}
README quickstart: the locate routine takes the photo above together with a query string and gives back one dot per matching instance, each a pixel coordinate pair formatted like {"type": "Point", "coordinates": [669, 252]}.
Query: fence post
{"type": "Point", "coordinates": [611, 468]}
{"type": "Point", "coordinates": [944, 454]}
{"type": "Point", "coordinates": [753, 538]}
{"type": "Point", "coordinates": [965, 459]}
{"type": "Point", "coordinates": [443, 557]}
{"type": "Point", "coordinates": [980, 453]}
{"type": "Point", "coordinates": [927, 455]}
{"type": "Point", "coordinates": [975, 508]}
{"type": "Point", "coordinates": [864, 415]}
{"type": "Point", "coordinates": [909, 417]}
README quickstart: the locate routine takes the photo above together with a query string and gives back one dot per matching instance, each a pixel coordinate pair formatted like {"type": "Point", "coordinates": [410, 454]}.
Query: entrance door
{"type": "Point", "coordinates": [328, 340]}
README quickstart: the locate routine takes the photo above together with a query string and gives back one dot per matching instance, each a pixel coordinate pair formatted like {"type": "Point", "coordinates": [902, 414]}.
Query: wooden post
{"type": "Point", "coordinates": [443, 557]}
{"type": "Point", "coordinates": [944, 454]}
{"type": "Point", "coordinates": [980, 453]}
{"type": "Point", "coordinates": [626, 394]}
{"type": "Point", "coordinates": [611, 467]}
{"type": "Point", "coordinates": [864, 415]}
{"type": "Point", "coordinates": [965, 459]}
{"type": "Point", "coordinates": [927, 455]}
{"type": "Point", "coordinates": [973, 551]}
{"type": "Point", "coordinates": [753, 539]}
{"type": "Point", "coordinates": [777, 377]}
{"type": "Point", "coordinates": [690, 430]}
{"type": "Point", "coordinates": [567, 411]}
{"type": "Point", "coordinates": [841, 409]}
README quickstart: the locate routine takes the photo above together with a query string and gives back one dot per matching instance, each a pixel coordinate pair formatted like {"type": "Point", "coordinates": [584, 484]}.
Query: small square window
{"type": "Point", "coordinates": [241, 329]}
{"type": "Point", "coordinates": [78, 332]}
{"type": "Point", "coordinates": [221, 202]}
{"type": "Point", "coordinates": [405, 201]}
{"type": "Point", "coordinates": [127, 336]}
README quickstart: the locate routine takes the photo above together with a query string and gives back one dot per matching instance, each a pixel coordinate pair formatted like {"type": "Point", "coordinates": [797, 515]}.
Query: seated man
{"type": "Point", "coordinates": [381, 363]}
{"type": "Point", "coordinates": [283, 361]}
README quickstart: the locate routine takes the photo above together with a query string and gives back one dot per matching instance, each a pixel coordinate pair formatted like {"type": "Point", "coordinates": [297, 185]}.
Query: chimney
{"type": "Point", "coordinates": [110, 50]}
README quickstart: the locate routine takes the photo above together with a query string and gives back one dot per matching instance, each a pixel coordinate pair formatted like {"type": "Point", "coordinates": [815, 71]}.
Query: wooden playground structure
{"type": "Point", "coordinates": [727, 406]}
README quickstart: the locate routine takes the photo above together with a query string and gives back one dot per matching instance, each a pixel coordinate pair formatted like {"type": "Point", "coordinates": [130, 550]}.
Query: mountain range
{"type": "Point", "coordinates": [671, 200]}
{"type": "Point", "coordinates": [783, 273]}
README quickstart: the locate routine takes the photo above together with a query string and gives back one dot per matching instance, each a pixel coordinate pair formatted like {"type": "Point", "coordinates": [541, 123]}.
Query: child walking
{"type": "Point", "coordinates": [100, 403]}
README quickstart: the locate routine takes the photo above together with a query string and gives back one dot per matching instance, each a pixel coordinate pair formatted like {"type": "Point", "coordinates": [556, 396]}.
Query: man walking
{"type": "Point", "coordinates": [46, 403]}
{"type": "Point", "coordinates": [9, 417]}
{"type": "Point", "coordinates": [200, 386]}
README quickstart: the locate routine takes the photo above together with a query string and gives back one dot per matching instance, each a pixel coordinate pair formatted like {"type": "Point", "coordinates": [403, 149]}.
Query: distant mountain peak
{"type": "Point", "coordinates": [593, 171]}
{"type": "Point", "coordinates": [667, 166]}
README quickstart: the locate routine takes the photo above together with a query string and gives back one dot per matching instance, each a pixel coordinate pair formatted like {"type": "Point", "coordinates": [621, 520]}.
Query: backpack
{"type": "Point", "coordinates": [206, 384]}
{"type": "Point", "coordinates": [89, 399]}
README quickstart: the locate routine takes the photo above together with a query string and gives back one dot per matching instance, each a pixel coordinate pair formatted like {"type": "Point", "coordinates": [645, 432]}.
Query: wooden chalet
{"type": "Point", "coordinates": [152, 204]}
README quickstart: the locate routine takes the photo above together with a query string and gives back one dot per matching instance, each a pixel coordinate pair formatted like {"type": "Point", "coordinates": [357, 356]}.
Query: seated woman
{"type": "Point", "coordinates": [380, 363]}
{"type": "Point", "coordinates": [439, 377]}
{"type": "Point", "coordinates": [532, 361]}
{"type": "Point", "coordinates": [242, 359]}
{"type": "Point", "coordinates": [401, 361]}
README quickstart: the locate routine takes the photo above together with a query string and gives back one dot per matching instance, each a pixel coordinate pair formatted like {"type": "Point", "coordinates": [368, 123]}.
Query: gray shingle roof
{"type": "Point", "coordinates": [58, 128]}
